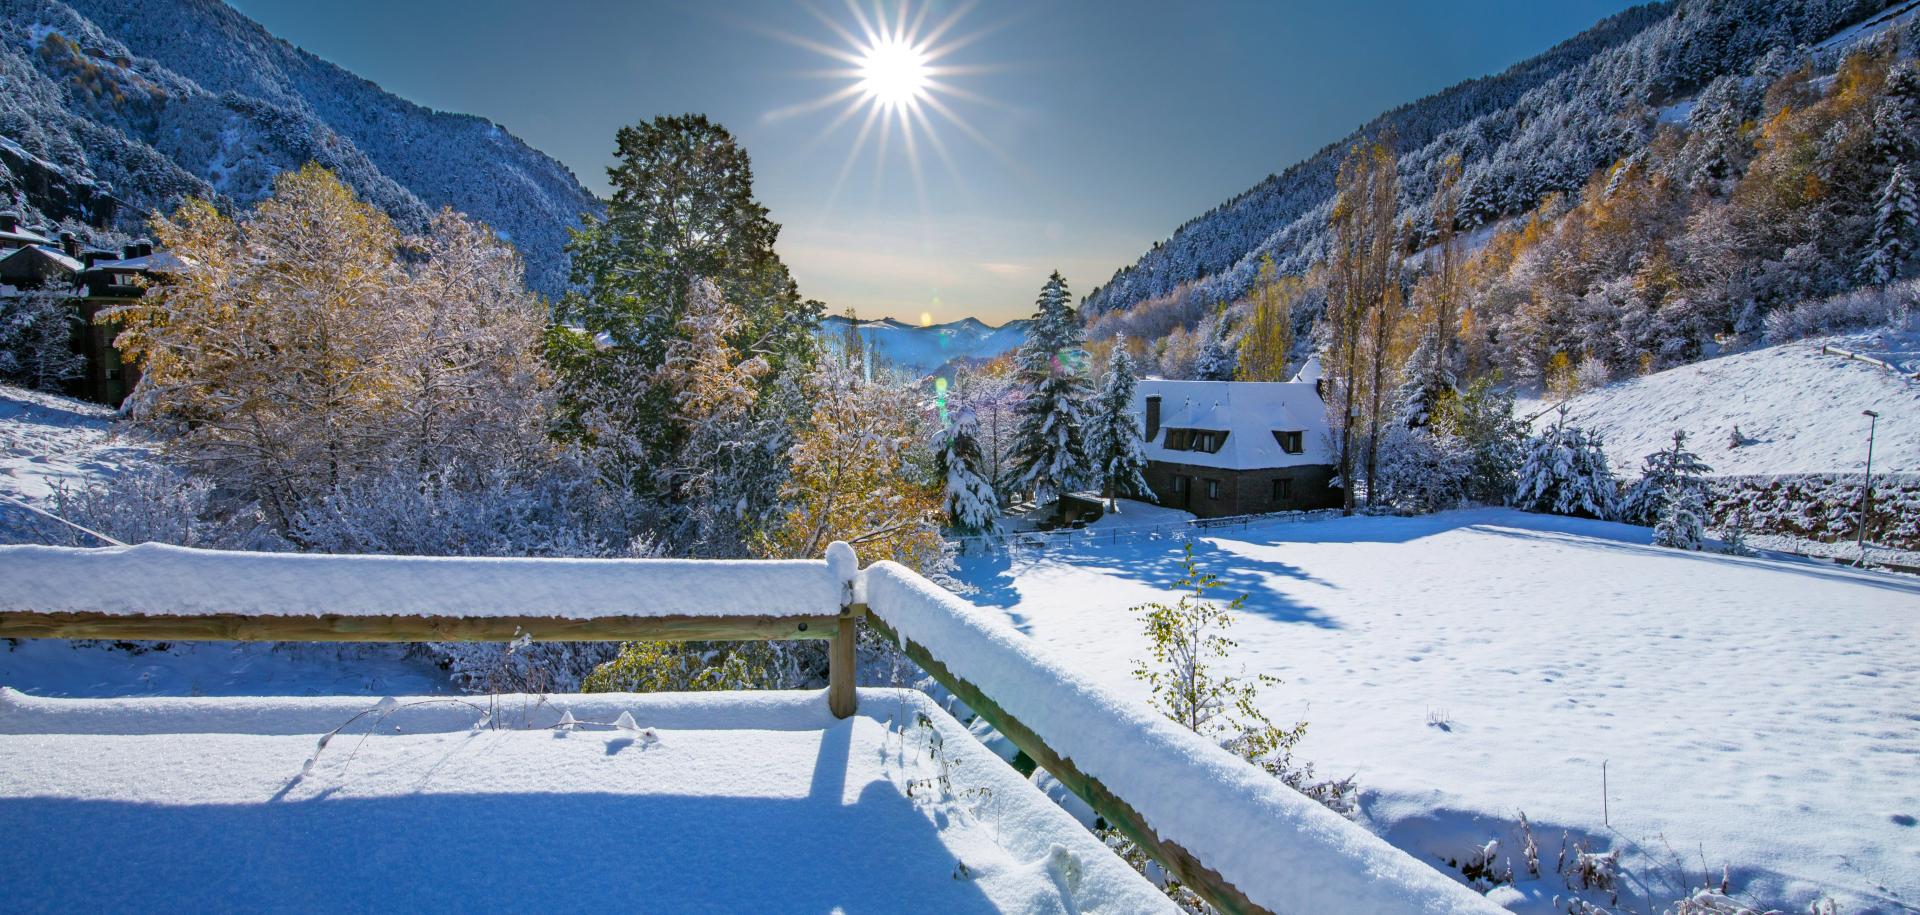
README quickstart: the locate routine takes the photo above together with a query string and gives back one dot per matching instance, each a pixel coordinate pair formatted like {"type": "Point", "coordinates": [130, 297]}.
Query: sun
{"type": "Point", "coordinates": [894, 72]}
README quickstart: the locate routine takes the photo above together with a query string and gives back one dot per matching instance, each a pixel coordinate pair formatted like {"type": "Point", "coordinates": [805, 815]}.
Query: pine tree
{"type": "Point", "coordinates": [1894, 223]}
{"type": "Point", "coordinates": [1050, 443]}
{"type": "Point", "coordinates": [1662, 473]}
{"type": "Point", "coordinates": [1216, 360]}
{"type": "Point", "coordinates": [1682, 523]}
{"type": "Point", "coordinates": [1564, 472]}
{"type": "Point", "coordinates": [1119, 456]}
{"type": "Point", "coordinates": [973, 510]}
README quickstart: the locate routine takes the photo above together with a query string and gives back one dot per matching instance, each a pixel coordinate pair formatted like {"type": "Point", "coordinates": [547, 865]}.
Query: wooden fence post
{"type": "Point", "coordinates": [842, 699]}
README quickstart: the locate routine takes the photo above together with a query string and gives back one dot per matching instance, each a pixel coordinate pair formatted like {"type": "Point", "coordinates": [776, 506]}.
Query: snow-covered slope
{"type": "Point", "coordinates": [47, 441]}
{"type": "Point", "coordinates": [925, 349]}
{"type": "Point", "coordinates": [166, 98]}
{"type": "Point", "coordinates": [1798, 409]}
{"type": "Point", "coordinates": [1471, 666]}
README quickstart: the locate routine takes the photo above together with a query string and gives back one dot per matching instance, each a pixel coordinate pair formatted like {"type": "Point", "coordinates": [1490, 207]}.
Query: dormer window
{"type": "Point", "coordinates": [1290, 441]}
{"type": "Point", "coordinates": [1207, 440]}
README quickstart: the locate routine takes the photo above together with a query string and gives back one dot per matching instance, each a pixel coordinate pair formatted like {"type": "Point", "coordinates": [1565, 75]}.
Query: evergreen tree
{"type": "Point", "coordinates": [1564, 471]}
{"type": "Point", "coordinates": [1119, 456]}
{"type": "Point", "coordinates": [1216, 359]}
{"type": "Point", "coordinates": [1050, 444]}
{"type": "Point", "coordinates": [1662, 473]}
{"type": "Point", "coordinates": [682, 211]}
{"type": "Point", "coordinates": [1893, 230]}
{"type": "Point", "coordinates": [972, 508]}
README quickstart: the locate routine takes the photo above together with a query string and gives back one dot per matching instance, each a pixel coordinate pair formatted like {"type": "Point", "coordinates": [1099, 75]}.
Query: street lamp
{"type": "Point", "coordinates": [1866, 487]}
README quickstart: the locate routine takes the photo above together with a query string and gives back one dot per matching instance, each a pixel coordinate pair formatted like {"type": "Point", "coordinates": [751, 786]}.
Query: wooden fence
{"type": "Point", "coordinates": [1235, 835]}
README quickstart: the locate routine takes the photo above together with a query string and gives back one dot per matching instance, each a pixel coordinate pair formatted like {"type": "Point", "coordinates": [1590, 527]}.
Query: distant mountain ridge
{"type": "Point", "coordinates": [926, 349]}
{"type": "Point", "coordinates": [153, 101]}
{"type": "Point", "coordinates": [1543, 125]}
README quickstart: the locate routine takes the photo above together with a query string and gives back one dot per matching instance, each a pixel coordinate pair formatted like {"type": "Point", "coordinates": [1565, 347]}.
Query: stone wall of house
{"type": "Point", "coordinates": [1242, 492]}
{"type": "Point", "coordinates": [1820, 506]}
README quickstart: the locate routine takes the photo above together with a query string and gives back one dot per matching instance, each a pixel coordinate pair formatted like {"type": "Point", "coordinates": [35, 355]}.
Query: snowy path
{"type": "Point", "coordinates": [1474, 664]}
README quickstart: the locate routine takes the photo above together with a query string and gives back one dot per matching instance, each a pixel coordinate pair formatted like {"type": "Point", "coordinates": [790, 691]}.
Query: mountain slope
{"type": "Point", "coordinates": [166, 98]}
{"type": "Point", "coordinates": [1798, 410]}
{"type": "Point", "coordinates": [1544, 125]}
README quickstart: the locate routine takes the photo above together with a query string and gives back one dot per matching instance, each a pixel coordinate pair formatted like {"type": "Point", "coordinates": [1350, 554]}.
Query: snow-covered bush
{"type": "Point", "coordinates": [427, 514]}
{"type": "Point", "coordinates": [161, 504]}
{"type": "Point", "coordinates": [1565, 472]}
{"type": "Point", "coordinates": [1822, 507]}
{"type": "Point", "coordinates": [1867, 306]}
{"type": "Point", "coordinates": [1424, 469]}
{"type": "Point", "coordinates": [36, 339]}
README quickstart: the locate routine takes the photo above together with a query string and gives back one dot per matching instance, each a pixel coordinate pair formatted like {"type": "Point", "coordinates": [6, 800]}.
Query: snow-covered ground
{"type": "Point", "coordinates": [1798, 409]}
{"type": "Point", "coordinates": [717, 802]}
{"type": "Point", "coordinates": [1474, 665]}
{"type": "Point", "coordinates": [47, 440]}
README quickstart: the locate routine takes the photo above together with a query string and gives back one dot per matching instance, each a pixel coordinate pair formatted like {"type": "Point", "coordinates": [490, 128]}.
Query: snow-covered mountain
{"type": "Point", "coordinates": [1544, 125]}
{"type": "Point", "coordinates": [148, 101]}
{"type": "Point", "coordinates": [925, 349]}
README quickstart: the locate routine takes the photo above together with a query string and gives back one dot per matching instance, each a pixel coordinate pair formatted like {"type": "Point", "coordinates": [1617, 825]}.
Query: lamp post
{"type": "Point", "coordinates": [1866, 487]}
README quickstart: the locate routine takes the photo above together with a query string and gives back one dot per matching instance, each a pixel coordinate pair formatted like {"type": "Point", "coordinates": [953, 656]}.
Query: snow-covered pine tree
{"type": "Point", "coordinates": [1682, 524]}
{"type": "Point", "coordinates": [1050, 443]}
{"type": "Point", "coordinates": [1216, 360]}
{"type": "Point", "coordinates": [1664, 471]}
{"type": "Point", "coordinates": [1892, 243]}
{"type": "Point", "coordinates": [973, 511]}
{"type": "Point", "coordinates": [36, 339]}
{"type": "Point", "coordinates": [1118, 454]}
{"type": "Point", "coordinates": [1565, 472]}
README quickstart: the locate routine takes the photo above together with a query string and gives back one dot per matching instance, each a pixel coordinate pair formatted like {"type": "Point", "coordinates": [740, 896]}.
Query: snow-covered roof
{"type": "Point", "coordinates": [24, 237]}
{"type": "Point", "coordinates": [741, 801]}
{"type": "Point", "coordinates": [157, 262]}
{"type": "Point", "coordinates": [1250, 412]}
{"type": "Point", "coordinates": [52, 254]}
{"type": "Point", "coordinates": [1310, 371]}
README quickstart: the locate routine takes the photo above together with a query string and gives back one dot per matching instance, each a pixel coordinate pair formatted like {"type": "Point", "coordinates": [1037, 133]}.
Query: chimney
{"type": "Point", "coordinates": [9, 222]}
{"type": "Point", "coordinates": [129, 252]}
{"type": "Point", "coordinates": [93, 257]}
{"type": "Point", "coordinates": [70, 245]}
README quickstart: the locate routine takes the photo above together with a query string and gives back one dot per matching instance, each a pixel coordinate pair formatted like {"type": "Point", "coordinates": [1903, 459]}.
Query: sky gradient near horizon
{"type": "Point", "coordinates": [1083, 131]}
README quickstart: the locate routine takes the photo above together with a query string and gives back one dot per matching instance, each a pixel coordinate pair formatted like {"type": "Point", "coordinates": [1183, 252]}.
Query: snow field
{"type": "Point", "coordinates": [664, 802]}
{"type": "Point", "coordinates": [1474, 665]}
{"type": "Point", "coordinates": [1282, 850]}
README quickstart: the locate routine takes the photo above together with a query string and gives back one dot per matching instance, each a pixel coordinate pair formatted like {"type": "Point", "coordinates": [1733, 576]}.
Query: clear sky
{"type": "Point", "coordinates": [1075, 133]}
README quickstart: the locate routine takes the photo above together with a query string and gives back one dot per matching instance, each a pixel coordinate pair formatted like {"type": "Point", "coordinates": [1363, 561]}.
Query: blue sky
{"type": "Point", "coordinates": [1092, 129]}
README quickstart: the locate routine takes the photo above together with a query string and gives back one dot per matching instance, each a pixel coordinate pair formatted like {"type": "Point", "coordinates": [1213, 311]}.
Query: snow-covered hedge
{"type": "Point", "coordinates": [1285, 852]}
{"type": "Point", "coordinates": [1819, 506]}
{"type": "Point", "coordinates": [156, 579]}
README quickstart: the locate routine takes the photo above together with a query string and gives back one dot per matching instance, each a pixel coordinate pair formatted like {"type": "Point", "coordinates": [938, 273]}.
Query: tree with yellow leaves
{"type": "Point", "coordinates": [1265, 349]}
{"type": "Point", "coordinates": [850, 479]}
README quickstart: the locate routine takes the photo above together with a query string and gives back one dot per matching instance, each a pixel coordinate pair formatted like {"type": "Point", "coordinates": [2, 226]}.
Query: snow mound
{"type": "Point", "coordinates": [1798, 411]}
{"type": "Point", "coordinates": [750, 802]}
{"type": "Point", "coordinates": [48, 441]}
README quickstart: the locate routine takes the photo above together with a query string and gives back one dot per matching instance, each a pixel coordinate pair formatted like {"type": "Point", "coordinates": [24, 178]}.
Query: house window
{"type": "Point", "coordinates": [1213, 489]}
{"type": "Point", "coordinates": [1290, 442]}
{"type": "Point", "coordinates": [1153, 417]}
{"type": "Point", "coordinates": [1179, 486]}
{"type": "Point", "coordinates": [125, 279]}
{"type": "Point", "coordinates": [1207, 440]}
{"type": "Point", "coordinates": [1282, 489]}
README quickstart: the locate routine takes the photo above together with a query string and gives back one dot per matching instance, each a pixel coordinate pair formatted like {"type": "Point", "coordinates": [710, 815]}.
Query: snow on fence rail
{"type": "Point", "coordinates": [1237, 836]}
